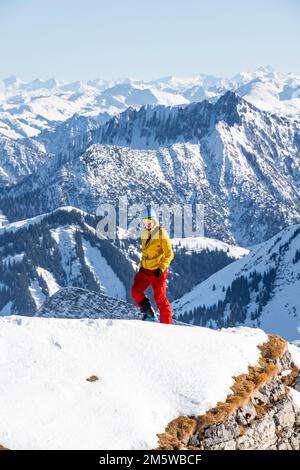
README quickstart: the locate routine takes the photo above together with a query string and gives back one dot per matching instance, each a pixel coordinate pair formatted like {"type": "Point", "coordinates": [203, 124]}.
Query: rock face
{"type": "Point", "coordinates": [269, 420]}
{"type": "Point", "coordinates": [74, 302]}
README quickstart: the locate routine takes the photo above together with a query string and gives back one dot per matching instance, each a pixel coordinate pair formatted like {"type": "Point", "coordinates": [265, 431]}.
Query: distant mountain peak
{"type": "Point", "coordinates": [226, 108]}
{"type": "Point", "coordinates": [266, 68]}
{"type": "Point", "coordinates": [9, 81]}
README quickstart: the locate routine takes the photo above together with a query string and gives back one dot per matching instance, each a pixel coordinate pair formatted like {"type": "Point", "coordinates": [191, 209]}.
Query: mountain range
{"type": "Point", "coordinates": [27, 108]}
{"type": "Point", "coordinates": [262, 289]}
{"type": "Point", "coordinates": [240, 162]}
{"type": "Point", "coordinates": [231, 145]}
{"type": "Point", "coordinates": [57, 258]}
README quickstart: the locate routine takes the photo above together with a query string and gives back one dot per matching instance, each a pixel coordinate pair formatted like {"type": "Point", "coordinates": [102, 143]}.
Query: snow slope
{"type": "Point", "coordinates": [197, 244]}
{"type": "Point", "coordinates": [19, 159]}
{"type": "Point", "coordinates": [145, 379]}
{"type": "Point", "coordinates": [107, 279]}
{"type": "Point", "coordinates": [41, 255]}
{"type": "Point", "coordinates": [14, 226]}
{"type": "Point", "coordinates": [274, 305]}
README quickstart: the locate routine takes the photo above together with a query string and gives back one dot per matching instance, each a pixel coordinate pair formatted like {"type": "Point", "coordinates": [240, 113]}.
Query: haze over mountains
{"type": "Point", "coordinates": [26, 108]}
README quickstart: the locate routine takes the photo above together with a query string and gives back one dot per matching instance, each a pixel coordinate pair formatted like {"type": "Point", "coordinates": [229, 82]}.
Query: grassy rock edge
{"type": "Point", "coordinates": [179, 431]}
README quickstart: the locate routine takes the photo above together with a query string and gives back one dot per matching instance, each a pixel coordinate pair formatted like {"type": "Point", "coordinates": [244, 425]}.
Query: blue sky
{"type": "Point", "coordinates": [82, 39]}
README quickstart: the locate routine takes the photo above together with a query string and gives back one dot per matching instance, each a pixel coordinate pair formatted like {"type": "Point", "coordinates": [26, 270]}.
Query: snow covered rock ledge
{"type": "Point", "coordinates": [148, 374]}
{"type": "Point", "coordinates": [115, 384]}
{"type": "Point", "coordinates": [262, 412]}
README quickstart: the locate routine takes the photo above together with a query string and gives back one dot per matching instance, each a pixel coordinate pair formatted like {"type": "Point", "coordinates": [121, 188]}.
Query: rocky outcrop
{"type": "Point", "coordinates": [75, 302]}
{"type": "Point", "coordinates": [262, 417]}
{"type": "Point", "coordinates": [270, 420]}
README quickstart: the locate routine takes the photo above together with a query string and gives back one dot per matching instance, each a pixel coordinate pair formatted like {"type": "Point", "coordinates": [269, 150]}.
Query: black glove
{"type": "Point", "coordinates": [158, 272]}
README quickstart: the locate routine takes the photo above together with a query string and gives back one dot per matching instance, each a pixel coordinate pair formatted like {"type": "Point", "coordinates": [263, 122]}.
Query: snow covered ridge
{"type": "Point", "coordinates": [194, 244]}
{"type": "Point", "coordinates": [160, 126]}
{"type": "Point", "coordinates": [65, 140]}
{"type": "Point", "coordinates": [261, 289]}
{"type": "Point", "coordinates": [136, 363]}
{"type": "Point", "coordinates": [27, 108]}
{"type": "Point", "coordinates": [14, 226]}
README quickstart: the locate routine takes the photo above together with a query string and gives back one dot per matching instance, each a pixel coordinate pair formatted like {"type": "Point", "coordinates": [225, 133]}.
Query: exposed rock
{"type": "Point", "coordinates": [75, 302]}
{"type": "Point", "coordinates": [296, 384]}
{"type": "Point", "coordinates": [219, 433]}
{"type": "Point", "coordinates": [285, 414]}
{"type": "Point", "coordinates": [269, 420]}
{"type": "Point", "coordinates": [261, 435]}
{"type": "Point", "coordinates": [246, 415]}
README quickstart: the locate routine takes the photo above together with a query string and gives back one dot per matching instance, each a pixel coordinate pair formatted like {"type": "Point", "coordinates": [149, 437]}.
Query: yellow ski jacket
{"type": "Point", "coordinates": [157, 252]}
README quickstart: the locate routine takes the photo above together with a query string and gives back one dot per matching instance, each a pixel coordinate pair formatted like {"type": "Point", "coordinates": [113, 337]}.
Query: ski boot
{"type": "Point", "coordinates": [147, 310]}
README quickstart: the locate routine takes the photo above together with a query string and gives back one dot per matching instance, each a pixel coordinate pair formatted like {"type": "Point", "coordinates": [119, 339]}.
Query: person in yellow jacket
{"type": "Point", "coordinates": [157, 255]}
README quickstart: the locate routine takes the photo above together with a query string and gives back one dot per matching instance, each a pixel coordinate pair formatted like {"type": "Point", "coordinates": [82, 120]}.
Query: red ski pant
{"type": "Point", "coordinates": [145, 278]}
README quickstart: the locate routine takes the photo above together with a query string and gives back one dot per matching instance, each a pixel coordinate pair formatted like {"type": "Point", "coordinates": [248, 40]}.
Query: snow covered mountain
{"type": "Point", "coordinates": [27, 108]}
{"type": "Point", "coordinates": [71, 137]}
{"type": "Point", "coordinates": [56, 252]}
{"type": "Point", "coordinates": [261, 289]}
{"type": "Point", "coordinates": [19, 159]}
{"type": "Point", "coordinates": [22, 157]}
{"type": "Point", "coordinates": [41, 255]}
{"type": "Point", "coordinates": [242, 163]}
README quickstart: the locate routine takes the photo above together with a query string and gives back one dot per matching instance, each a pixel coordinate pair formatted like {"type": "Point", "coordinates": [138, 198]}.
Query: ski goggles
{"type": "Point", "coordinates": [148, 220]}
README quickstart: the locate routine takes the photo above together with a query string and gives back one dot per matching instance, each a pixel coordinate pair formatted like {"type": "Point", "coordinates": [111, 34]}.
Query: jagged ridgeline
{"type": "Point", "coordinates": [240, 162]}
{"type": "Point", "coordinates": [61, 249]}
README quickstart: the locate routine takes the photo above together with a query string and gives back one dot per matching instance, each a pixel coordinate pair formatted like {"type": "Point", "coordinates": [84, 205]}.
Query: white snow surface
{"type": "Point", "coordinates": [148, 375]}
{"type": "Point", "coordinates": [37, 293]}
{"type": "Point", "coordinates": [295, 352]}
{"type": "Point", "coordinates": [103, 273]}
{"type": "Point", "coordinates": [48, 277]}
{"type": "Point", "coordinates": [195, 244]}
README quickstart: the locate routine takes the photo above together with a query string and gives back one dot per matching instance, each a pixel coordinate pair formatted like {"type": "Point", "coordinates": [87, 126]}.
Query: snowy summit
{"type": "Point", "coordinates": [145, 375]}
